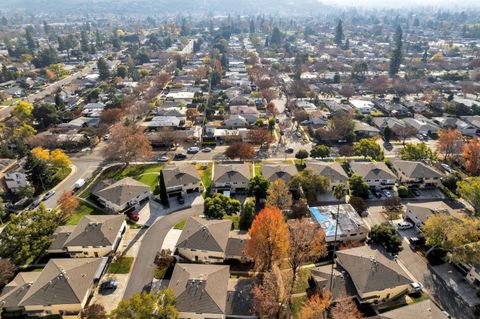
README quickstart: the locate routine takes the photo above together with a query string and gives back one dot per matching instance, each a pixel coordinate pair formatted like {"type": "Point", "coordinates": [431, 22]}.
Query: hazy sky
{"type": "Point", "coordinates": [403, 3]}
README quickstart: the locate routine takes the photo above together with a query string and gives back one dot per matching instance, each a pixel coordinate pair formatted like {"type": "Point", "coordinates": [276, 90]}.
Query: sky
{"type": "Point", "coordinates": [404, 3]}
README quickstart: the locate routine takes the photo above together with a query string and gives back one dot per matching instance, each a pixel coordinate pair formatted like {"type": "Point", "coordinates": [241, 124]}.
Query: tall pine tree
{"type": "Point", "coordinates": [396, 58]}
{"type": "Point", "coordinates": [339, 33]}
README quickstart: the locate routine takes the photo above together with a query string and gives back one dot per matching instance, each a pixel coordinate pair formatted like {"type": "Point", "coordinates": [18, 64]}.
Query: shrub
{"type": "Point", "coordinates": [402, 191]}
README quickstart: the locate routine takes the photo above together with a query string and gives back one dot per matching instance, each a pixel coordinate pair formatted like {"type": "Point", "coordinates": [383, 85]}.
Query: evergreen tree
{"type": "Point", "coordinates": [396, 58]}
{"type": "Point", "coordinates": [103, 69]}
{"type": "Point", "coordinates": [339, 33]}
{"type": "Point", "coordinates": [163, 191]}
{"type": "Point", "coordinates": [252, 26]}
{"type": "Point", "coordinates": [84, 41]}
{"type": "Point", "coordinates": [29, 38]}
{"type": "Point", "coordinates": [276, 37]}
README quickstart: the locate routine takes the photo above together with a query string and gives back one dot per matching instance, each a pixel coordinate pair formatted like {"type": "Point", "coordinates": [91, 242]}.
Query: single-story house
{"type": "Point", "coordinates": [362, 106]}
{"type": "Point", "coordinates": [81, 122]}
{"type": "Point", "coordinates": [413, 173]}
{"type": "Point", "coordinates": [120, 195]}
{"type": "Point", "coordinates": [94, 236]}
{"type": "Point", "coordinates": [164, 121]}
{"type": "Point", "coordinates": [236, 121]}
{"type": "Point", "coordinates": [232, 178]}
{"type": "Point", "coordinates": [249, 113]}
{"type": "Point", "coordinates": [364, 129]}
{"type": "Point", "coordinates": [422, 125]}
{"type": "Point", "coordinates": [273, 171]}
{"type": "Point", "coordinates": [426, 309]}
{"type": "Point", "coordinates": [375, 174]}
{"type": "Point", "coordinates": [455, 123]}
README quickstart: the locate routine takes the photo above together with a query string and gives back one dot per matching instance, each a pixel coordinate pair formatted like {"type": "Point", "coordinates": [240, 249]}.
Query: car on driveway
{"type": "Point", "coordinates": [298, 134]}
{"type": "Point", "coordinates": [289, 150]}
{"type": "Point", "coordinates": [206, 149]}
{"type": "Point", "coordinates": [108, 286]}
{"type": "Point", "coordinates": [48, 195]}
{"type": "Point", "coordinates": [163, 159]}
{"type": "Point", "coordinates": [415, 192]}
{"type": "Point", "coordinates": [377, 193]}
{"type": "Point", "coordinates": [193, 149]}
{"type": "Point", "coordinates": [179, 156]}
{"type": "Point", "coordinates": [133, 216]}
{"type": "Point", "coordinates": [404, 225]}
{"type": "Point", "coordinates": [387, 193]}
{"type": "Point", "coordinates": [415, 288]}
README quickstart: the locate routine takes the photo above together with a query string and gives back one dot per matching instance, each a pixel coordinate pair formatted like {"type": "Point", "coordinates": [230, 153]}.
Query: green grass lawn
{"type": "Point", "coordinates": [296, 305]}
{"type": "Point", "coordinates": [10, 102]}
{"type": "Point", "coordinates": [150, 179]}
{"type": "Point", "coordinates": [121, 266]}
{"type": "Point", "coordinates": [258, 168]}
{"type": "Point", "coordinates": [235, 220]}
{"type": "Point", "coordinates": [205, 172]}
{"type": "Point", "coordinates": [301, 283]}
{"type": "Point", "coordinates": [180, 225]}
{"type": "Point", "coordinates": [83, 209]}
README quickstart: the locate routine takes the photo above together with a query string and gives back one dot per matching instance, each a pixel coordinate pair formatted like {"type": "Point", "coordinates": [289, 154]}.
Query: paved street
{"type": "Point", "coordinates": [144, 268]}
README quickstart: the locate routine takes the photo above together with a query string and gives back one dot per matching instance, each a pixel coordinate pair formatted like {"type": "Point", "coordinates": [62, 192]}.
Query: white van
{"type": "Point", "coordinates": [79, 183]}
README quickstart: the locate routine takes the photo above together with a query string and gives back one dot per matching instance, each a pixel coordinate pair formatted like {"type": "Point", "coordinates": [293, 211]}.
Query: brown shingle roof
{"type": "Point", "coordinates": [372, 170]}
{"type": "Point", "coordinates": [274, 171]}
{"type": "Point", "coordinates": [95, 230]}
{"type": "Point", "coordinates": [178, 176]}
{"type": "Point", "coordinates": [205, 234]}
{"type": "Point", "coordinates": [332, 170]}
{"type": "Point", "coordinates": [413, 169]}
{"type": "Point", "coordinates": [122, 191]}
{"type": "Point", "coordinates": [230, 173]}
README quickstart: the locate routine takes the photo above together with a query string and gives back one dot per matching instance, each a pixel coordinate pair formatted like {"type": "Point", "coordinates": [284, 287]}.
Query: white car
{"type": "Point", "coordinates": [206, 149]}
{"type": "Point", "coordinates": [387, 193]}
{"type": "Point", "coordinates": [48, 195]}
{"type": "Point", "coordinates": [404, 225]}
{"type": "Point", "coordinates": [163, 159]}
{"type": "Point", "coordinates": [193, 149]}
{"type": "Point", "coordinates": [416, 287]}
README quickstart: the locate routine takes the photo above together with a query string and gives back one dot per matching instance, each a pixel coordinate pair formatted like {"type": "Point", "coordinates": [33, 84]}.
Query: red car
{"type": "Point", "coordinates": [133, 216]}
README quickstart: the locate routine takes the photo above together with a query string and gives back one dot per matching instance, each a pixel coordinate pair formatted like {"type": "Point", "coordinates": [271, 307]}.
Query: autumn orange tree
{"type": "Point", "coordinates": [269, 239]}
{"type": "Point", "coordinates": [260, 136]}
{"type": "Point", "coordinates": [345, 308]}
{"type": "Point", "coordinates": [68, 204]}
{"type": "Point", "coordinates": [240, 150]}
{"type": "Point", "coordinates": [111, 116]}
{"type": "Point", "coordinates": [127, 143]}
{"type": "Point", "coordinates": [471, 156]}
{"type": "Point", "coordinates": [316, 306]}
{"type": "Point", "coordinates": [450, 142]}
{"type": "Point", "coordinates": [271, 295]}
{"type": "Point", "coordinates": [307, 243]}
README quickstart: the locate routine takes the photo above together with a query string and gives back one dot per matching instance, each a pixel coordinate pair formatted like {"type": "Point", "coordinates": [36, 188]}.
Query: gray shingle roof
{"type": "Point", "coordinates": [122, 191]}
{"type": "Point", "coordinates": [370, 270]}
{"type": "Point", "coordinates": [62, 281]}
{"type": "Point", "coordinates": [274, 171]}
{"type": "Point", "coordinates": [15, 290]}
{"type": "Point", "coordinates": [177, 176]}
{"type": "Point", "coordinates": [230, 173]}
{"type": "Point", "coordinates": [200, 288]}
{"type": "Point", "coordinates": [413, 169]}
{"type": "Point", "coordinates": [95, 230]}
{"type": "Point", "coordinates": [372, 170]}
{"type": "Point", "coordinates": [205, 234]}
{"type": "Point", "coordinates": [421, 310]}
{"type": "Point", "coordinates": [332, 170]}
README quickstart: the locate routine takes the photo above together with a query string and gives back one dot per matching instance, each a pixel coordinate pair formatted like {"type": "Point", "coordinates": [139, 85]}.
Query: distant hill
{"type": "Point", "coordinates": [152, 7]}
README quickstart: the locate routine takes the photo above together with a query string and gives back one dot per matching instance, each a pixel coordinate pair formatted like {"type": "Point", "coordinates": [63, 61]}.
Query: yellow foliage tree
{"type": "Point", "coordinates": [59, 159]}
{"type": "Point", "coordinates": [22, 111]}
{"type": "Point", "coordinates": [41, 153]}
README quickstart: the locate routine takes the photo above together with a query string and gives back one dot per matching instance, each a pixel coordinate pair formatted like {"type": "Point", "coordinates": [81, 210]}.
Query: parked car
{"type": "Point", "coordinates": [133, 216]}
{"type": "Point", "coordinates": [414, 242]}
{"type": "Point", "coordinates": [34, 205]}
{"type": "Point", "coordinates": [78, 184]}
{"type": "Point", "coordinates": [377, 193]}
{"type": "Point", "coordinates": [415, 192]}
{"type": "Point", "coordinates": [181, 200]}
{"type": "Point", "coordinates": [298, 134]}
{"type": "Point", "coordinates": [179, 156]}
{"type": "Point", "coordinates": [416, 287]}
{"type": "Point", "coordinates": [404, 225]}
{"type": "Point", "coordinates": [387, 193]}
{"type": "Point", "coordinates": [108, 285]}
{"type": "Point", "coordinates": [193, 149]}
{"type": "Point", "coordinates": [48, 195]}
{"type": "Point", "coordinates": [206, 149]}
{"type": "Point", "coordinates": [163, 159]}
{"type": "Point", "coordinates": [289, 150]}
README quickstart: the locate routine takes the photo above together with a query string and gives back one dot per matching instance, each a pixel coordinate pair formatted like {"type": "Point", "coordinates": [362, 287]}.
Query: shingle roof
{"type": "Point", "coordinates": [95, 230]}
{"type": "Point", "coordinates": [372, 170]}
{"type": "Point", "coordinates": [62, 281]}
{"type": "Point", "coordinates": [230, 173]}
{"type": "Point", "coordinates": [332, 170]}
{"type": "Point", "coordinates": [421, 310]}
{"type": "Point", "coordinates": [200, 288]}
{"type": "Point", "coordinates": [413, 169]}
{"type": "Point", "coordinates": [178, 176]}
{"type": "Point", "coordinates": [236, 244]}
{"type": "Point", "coordinates": [274, 171]}
{"type": "Point", "coordinates": [122, 191]}
{"type": "Point", "coordinates": [15, 290]}
{"type": "Point", "coordinates": [205, 234]}
{"type": "Point", "coordinates": [61, 235]}
{"type": "Point", "coordinates": [370, 270]}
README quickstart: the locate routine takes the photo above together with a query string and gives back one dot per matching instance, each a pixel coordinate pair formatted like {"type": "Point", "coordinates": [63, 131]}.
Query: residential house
{"type": "Point", "coordinates": [273, 171]}
{"type": "Point", "coordinates": [236, 121]}
{"type": "Point", "coordinates": [15, 181]}
{"type": "Point", "coordinates": [418, 213]}
{"type": "Point", "coordinates": [362, 129]}
{"type": "Point", "coordinates": [396, 125]}
{"type": "Point", "coordinates": [231, 178]}
{"type": "Point", "coordinates": [362, 106]}
{"type": "Point", "coordinates": [94, 236]}
{"type": "Point", "coordinates": [241, 100]}
{"type": "Point", "coordinates": [62, 288]}
{"type": "Point", "coordinates": [318, 118]}
{"type": "Point", "coordinates": [421, 124]}
{"type": "Point", "coordinates": [350, 226]}
{"type": "Point", "coordinates": [455, 123]}
{"type": "Point", "coordinates": [249, 113]}
{"type": "Point", "coordinates": [331, 170]}
{"type": "Point", "coordinates": [165, 122]}
{"type": "Point", "coordinates": [375, 174]}
{"type": "Point", "coordinates": [392, 109]}
{"type": "Point", "coordinates": [473, 120]}
{"type": "Point", "coordinates": [118, 196]}
{"type": "Point", "coordinates": [180, 181]}
{"type": "Point", "coordinates": [93, 109]}
{"type": "Point", "coordinates": [425, 309]}
{"type": "Point", "coordinates": [413, 173]}
{"type": "Point", "coordinates": [81, 122]}
{"type": "Point", "coordinates": [377, 278]}
{"type": "Point", "coordinates": [200, 290]}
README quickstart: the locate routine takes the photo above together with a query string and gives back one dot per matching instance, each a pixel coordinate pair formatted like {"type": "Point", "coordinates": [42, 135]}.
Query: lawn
{"type": "Point", "coordinates": [180, 225]}
{"type": "Point", "coordinates": [296, 305]}
{"type": "Point", "coordinates": [83, 209]}
{"type": "Point", "coordinates": [121, 266]}
{"type": "Point", "coordinates": [301, 283]}
{"type": "Point", "coordinates": [149, 179]}
{"type": "Point", "coordinates": [258, 168]}
{"type": "Point", "coordinates": [205, 172]}
{"type": "Point", "coordinates": [235, 220]}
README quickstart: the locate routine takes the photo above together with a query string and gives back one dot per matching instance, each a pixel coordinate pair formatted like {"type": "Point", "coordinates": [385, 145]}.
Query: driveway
{"type": "Point", "coordinates": [152, 210]}
{"type": "Point", "coordinates": [143, 269]}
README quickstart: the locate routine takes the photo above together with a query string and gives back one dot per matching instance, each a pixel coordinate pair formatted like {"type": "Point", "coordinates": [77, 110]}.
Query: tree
{"type": "Point", "coordinates": [339, 33]}
{"type": "Point", "coordinates": [316, 305]}
{"type": "Point", "coordinates": [269, 241]}
{"type": "Point", "coordinates": [307, 243]}
{"type": "Point", "coordinates": [59, 160]}
{"type": "Point", "coordinates": [469, 189]}
{"type": "Point", "coordinates": [367, 147]}
{"type": "Point", "coordinates": [127, 143]}
{"type": "Point", "coordinates": [39, 173]}
{"type": "Point", "coordinates": [247, 216]}
{"type": "Point", "coordinates": [347, 90]}
{"type": "Point", "coordinates": [387, 237]}
{"type": "Point", "coordinates": [450, 142]}
{"type": "Point", "coordinates": [163, 190]}
{"type": "Point", "coordinates": [404, 132]}
{"type": "Point", "coordinates": [393, 204]}
{"type": "Point", "coordinates": [46, 57]}
{"type": "Point", "coordinates": [461, 239]}
{"type": "Point", "coordinates": [240, 150]}
{"type": "Point", "coordinates": [258, 187]}
{"type": "Point", "coordinates": [103, 69]}
{"type": "Point", "coordinates": [311, 183]}
{"type": "Point", "coordinates": [301, 155]}
{"type": "Point", "coordinates": [278, 195]}
{"type": "Point", "coordinates": [22, 111]}
{"type": "Point", "coordinates": [27, 235]}
{"type": "Point", "coordinates": [94, 311]}
{"type": "Point", "coordinates": [31, 44]}
{"type": "Point", "coordinates": [260, 136]}
{"type": "Point", "coordinates": [358, 203]}
{"type": "Point", "coordinates": [220, 205]}
{"type": "Point", "coordinates": [345, 308]}
{"type": "Point", "coordinates": [387, 134]}
{"type": "Point", "coordinates": [276, 37]}
{"type": "Point", "coordinates": [359, 70]}
{"type": "Point", "coordinates": [159, 304]}
{"type": "Point", "coordinates": [471, 156]}
{"type": "Point", "coordinates": [68, 204]}
{"type": "Point", "coordinates": [271, 295]}
{"type": "Point", "coordinates": [417, 152]}
{"type": "Point", "coordinates": [396, 58]}
{"type": "Point", "coordinates": [111, 116]}
{"type": "Point", "coordinates": [269, 95]}
{"type": "Point", "coordinates": [7, 272]}
{"type": "Point", "coordinates": [320, 151]}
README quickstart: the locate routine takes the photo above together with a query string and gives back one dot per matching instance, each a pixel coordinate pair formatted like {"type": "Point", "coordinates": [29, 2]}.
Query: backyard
{"type": "Point", "coordinates": [83, 209]}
